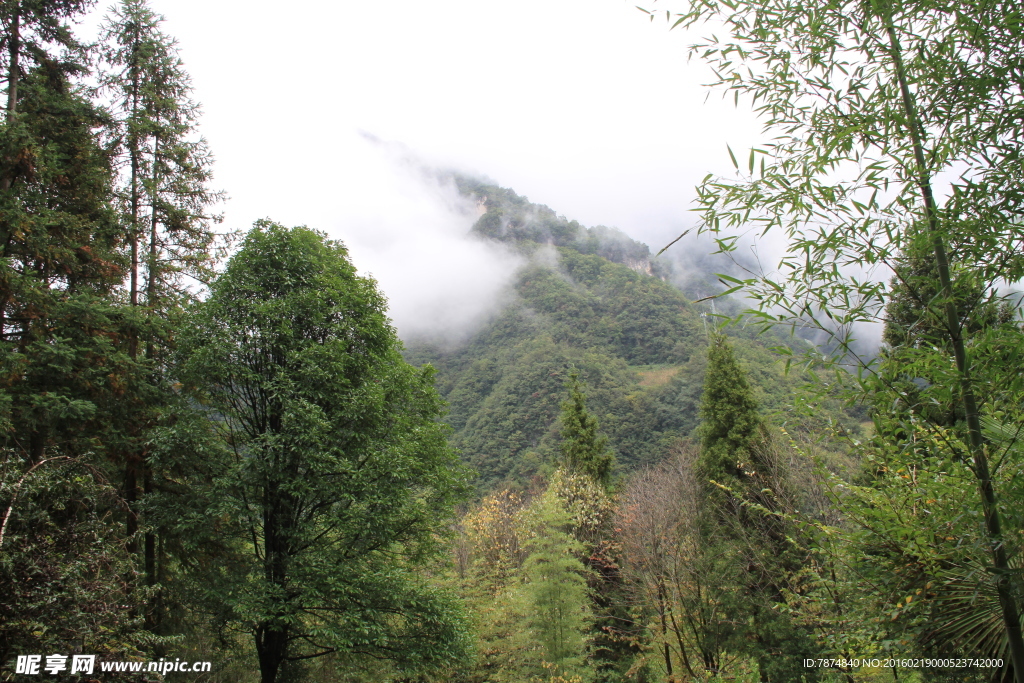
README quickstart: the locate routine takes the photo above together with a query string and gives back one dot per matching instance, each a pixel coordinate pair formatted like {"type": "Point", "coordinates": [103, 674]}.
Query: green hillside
{"type": "Point", "coordinates": [590, 299]}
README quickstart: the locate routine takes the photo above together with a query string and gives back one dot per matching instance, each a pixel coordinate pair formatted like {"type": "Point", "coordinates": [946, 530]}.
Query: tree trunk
{"type": "Point", "coordinates": [153, 610]}
{"type": "Point", "coordinates": [272, 636]}
{"type": "Point", "coordinates": [13, 74]}
{"type": "Point", "coordinates": [149, 554]}
{"type": "Point", "coordinates": [131, 497]}
{"type": "Point", "coordinates": [271, 648]}
{"type": "Point", "coordinates": [131, 474]}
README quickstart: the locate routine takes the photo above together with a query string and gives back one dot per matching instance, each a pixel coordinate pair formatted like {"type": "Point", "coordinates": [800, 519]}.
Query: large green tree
{"type": "Point", "coordinates": [912, 333]}
{"type": "Point", "coordinates": [59, 262]}
{"type": "Point", "coordinates": [163, 197]}
{"type": "Point", "coordinates": [65, 370]}
{"type": "Point", "coordinates": [745, 495]}
{"type": "Point", "coordinates": [34, 31]}
{"type": "Point", "coordinates": [556, 587]}
{"type": "Point", "coordinates": [341, 482]}
{"type": "Point", "coordinates": [61, 576]}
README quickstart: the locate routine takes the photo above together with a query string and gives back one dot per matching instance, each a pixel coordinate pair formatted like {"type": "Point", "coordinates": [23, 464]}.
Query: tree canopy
{"type": "Point", "coordinates": [339, 469]}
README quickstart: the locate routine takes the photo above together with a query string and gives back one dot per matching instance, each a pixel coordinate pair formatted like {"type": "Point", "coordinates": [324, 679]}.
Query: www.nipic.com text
{"type": "Point", "coordinates": [86, 664]}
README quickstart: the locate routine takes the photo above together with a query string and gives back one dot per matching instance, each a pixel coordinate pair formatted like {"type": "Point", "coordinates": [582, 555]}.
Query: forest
{"type": "Point", "coordinates": [220, 463]}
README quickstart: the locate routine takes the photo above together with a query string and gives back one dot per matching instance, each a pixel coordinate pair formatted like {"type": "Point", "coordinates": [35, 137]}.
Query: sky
{"type": "Point", "coordinates": [586, 106]}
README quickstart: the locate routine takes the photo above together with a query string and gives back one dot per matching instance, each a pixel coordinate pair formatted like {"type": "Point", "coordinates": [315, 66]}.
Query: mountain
{"type": "Point", "coordinates": [590, 299]}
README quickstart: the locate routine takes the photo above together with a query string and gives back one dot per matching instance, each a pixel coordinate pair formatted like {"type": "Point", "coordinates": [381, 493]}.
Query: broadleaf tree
{"type": "Point", "coordinates": [340, 482]}
{"type": "Point", "coordinates": [893, 125]}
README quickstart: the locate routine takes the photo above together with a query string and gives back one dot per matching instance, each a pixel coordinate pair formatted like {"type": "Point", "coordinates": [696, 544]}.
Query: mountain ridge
{"type": "Point", "coordinates": [591, 300]}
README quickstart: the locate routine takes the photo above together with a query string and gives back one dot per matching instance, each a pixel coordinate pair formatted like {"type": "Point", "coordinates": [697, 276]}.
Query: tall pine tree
{"type": "Point", "coordinates": [59, 258]}
{"type": "Point", "coordinates": [584, 449]}
{"type": "Point", "coordinates": [165, 194]}
{"type": "Point", "coordinates": [741, 527]}
{"type": "Point", "coordinates": [64, 371]}
{"type": "Point", "coordinates": [163, 197]}
{"type": "Point", "coordinates": [731, 423]}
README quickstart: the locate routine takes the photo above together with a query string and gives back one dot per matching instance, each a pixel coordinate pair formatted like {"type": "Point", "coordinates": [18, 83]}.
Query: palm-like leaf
{"type": "Point", "coordinates": [967, 618]}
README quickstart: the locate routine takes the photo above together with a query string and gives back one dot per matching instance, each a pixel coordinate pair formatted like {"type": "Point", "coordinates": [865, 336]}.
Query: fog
{"type": "Point", "coordinates": [409, 228]}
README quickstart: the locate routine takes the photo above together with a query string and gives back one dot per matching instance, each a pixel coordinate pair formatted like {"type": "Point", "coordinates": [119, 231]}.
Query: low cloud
{"type": "Point", "coordinates": [409, 228]}
{"type": "Point", "coordinates": [694, 270]}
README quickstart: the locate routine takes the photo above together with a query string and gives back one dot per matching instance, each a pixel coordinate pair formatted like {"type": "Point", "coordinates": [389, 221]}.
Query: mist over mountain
{"type": "Point", "coordinates": [589, 299]}
{"type": "Point", "coordinates": [411, 230]}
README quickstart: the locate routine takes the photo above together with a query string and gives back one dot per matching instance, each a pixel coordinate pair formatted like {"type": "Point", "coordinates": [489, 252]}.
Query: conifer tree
{"type": "Point", "coordinates": [557, 589]}
{"type": "Point", "coordinates": [163, 199]}
{"type": "Point", "coordinates": [730, 421]}
{"type": "Point", "coordinates": [64, 372]}
{"type": "Point", "coordinates": [32, 29]}
{"type": "Point", "coordinates": [913, 312]}
{"type": "Point", "coordinates": [59, 265]}
{"type": "Point", "coordinates": [165, 195]}
{"type": "Point", "coordinates": [740, 529]}
{"type": "Point", "coordinates": [916, 327]}
{"type": "Point", "coordinates": [584, 486]}
{"type": "Point", "coordinates": [584, 449]}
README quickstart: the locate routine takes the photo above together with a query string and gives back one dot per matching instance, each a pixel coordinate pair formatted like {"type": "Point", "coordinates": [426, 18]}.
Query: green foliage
{"type": "Point", "coordinates": [534, 573]}
{"type": "Point", "coordinates": [615, 323]}
{"type": "Point", "coordinates": [557, 588]}
{"type": "Point", "coordinates": [59, 265]}
{"type": "Point", "coordinates": [296, 490]}
{"type": "Point", "coordinates": [64, 584]}
{"type": "Point", "coordinates": [165, 195]}
{"type": "Point", "coordinates": [584, 450]}
{"type": "Point", "coordinates": [902, 570]}
{"type": "Point", "coordinates": [865, 130]}
{"type": "Point", "coordinates": [340, 473]}
{"type": "Point", "coordinates": [911, 315]}
{"type": "Point", "coordinates": [69, 382]}
{"type": "Point", "coordinates": [161, 196]}
{"type": "Point", "coordinates": [842, 180]}
{"type": "Point", "coordinates": [911, 373]}
{"type": "Point", "coordinates": [490, 555]}
{"type": "Point", "coordinates": [613, 632]}
{"type": "Point", "coordinates": [741, 518]}
{"type": "Point", "coordinates": [495, 532]}
{"type": "Point", "coordinates": [730, 419]}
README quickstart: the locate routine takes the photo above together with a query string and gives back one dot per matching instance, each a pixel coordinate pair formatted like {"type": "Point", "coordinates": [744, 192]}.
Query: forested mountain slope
{"type": "Point", "coordinates": [590, 299]}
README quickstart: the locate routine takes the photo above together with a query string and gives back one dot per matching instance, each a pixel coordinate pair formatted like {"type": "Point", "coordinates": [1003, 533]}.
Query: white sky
{"type": "Point", "coordinates": [583, 105]}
